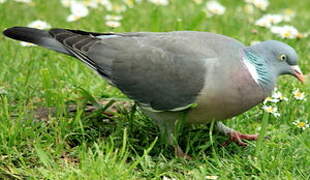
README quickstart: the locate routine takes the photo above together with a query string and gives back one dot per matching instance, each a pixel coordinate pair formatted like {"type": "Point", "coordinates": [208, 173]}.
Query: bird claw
{"type": "Point", "coordinates": [237, 138]}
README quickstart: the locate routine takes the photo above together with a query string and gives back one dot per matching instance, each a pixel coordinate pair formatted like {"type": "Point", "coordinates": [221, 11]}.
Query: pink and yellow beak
{"type": "Point", "coordinates": [297, 73]}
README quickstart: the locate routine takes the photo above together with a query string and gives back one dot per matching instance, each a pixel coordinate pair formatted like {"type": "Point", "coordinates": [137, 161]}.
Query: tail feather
{"type": "Point", "coordinates": [75, 43]}
{"type": "Point", "coordinates": [35, 36]}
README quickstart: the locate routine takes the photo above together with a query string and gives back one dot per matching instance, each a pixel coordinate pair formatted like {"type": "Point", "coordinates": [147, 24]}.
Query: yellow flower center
{"type": "Point", "coordinates": [289, 12]}
{"type": "Point", "coordinates": [301, 124]}
{"type": "Point", "coordinates": [268, 99]}
{"type": "Point", "coordinates": [287, 34]}
{"type": "Point", "coordinates": [269, 109]}
{"type": "Point", "coordinates": [298, 94]}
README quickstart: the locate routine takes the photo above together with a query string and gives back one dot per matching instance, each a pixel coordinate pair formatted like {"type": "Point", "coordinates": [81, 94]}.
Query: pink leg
{"type": "Point", "coordinates": [234, 136]}
{"type": "Point", "coordinates": [237, 138]}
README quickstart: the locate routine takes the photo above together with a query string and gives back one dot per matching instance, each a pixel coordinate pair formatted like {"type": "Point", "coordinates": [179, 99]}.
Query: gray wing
{"type": "Point", "coordinates": [163, 71]}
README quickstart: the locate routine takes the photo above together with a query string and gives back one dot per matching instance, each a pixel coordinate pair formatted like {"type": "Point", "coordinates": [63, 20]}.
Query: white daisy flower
{"type": "Point", "coordinates": [214, 8]}
{"type": "Point", "coordinates": [67, 3]}
{"type": "Point", "coordinates": [118, 8]}
{"type": "Point", "coordinates": [78, 10]}
{"type": "Point", "coordinates": [272, 110]}
{"type": "Point", "coordinates": [160, 2]}
{"type": "Point", "coordinates": [129, 3]}
{"type": "Point", "coordinates": [106, 3]}
{"type": "Point", "coordinates": [276, 114]}
{"type": "Point", "coordinates": [211, 177]}
{"type": "Point", "coordinates": [113, 24]}
{"type": "Point", "coordinates": [276, 96]}
{"type": "Point", "coordinates": [39, 24]}
{"type": "Point", "coordinates": [260, 4]}
{"type": "Point", "coordinates": [168, 178]}
{"type": "Point", "coordinates": [72, 18]}
{"type": "Point", "coordinates": [198, 1]}
{"type": "Point", "coordinates": [289, 32]}
{"type": "Point", "coordinates": [263, 22]}
{"type": "Point", "coordinates": [91, 3]}
{"type": "Point", "coordinates": [270, 99]}
{"type": "Point", "coordinates": [269, 19]}
{"type": "Point", "coordinates": [26, 44]}
{"type": "Point", "coordinates": [279, 96]}
{"type": "Point", "coordinates": [298, 94]}
{"type": "Point", "coordinates": [301, 124]}
{"type": "Point", "coordinates": [24, 1]}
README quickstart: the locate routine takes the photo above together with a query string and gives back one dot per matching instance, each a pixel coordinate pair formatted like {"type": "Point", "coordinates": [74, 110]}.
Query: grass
{"type": "Point", "coordinates": [90, 145]}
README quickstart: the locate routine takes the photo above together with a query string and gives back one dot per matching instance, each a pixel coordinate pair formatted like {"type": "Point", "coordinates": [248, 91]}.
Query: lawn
{"type": "Point", "coordinates": [52, 120]}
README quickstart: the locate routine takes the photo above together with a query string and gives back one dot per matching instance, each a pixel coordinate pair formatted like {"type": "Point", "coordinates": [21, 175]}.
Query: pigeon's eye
{"type": "Point", "coordinates": [282, 57]}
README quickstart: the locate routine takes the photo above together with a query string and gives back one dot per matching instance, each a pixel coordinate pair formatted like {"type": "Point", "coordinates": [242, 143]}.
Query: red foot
{"type": "Point", "coordinates": [237, 137]}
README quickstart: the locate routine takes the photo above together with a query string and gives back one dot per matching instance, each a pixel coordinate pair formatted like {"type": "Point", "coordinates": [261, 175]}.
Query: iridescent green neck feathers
{"type": "Point", "coordinates": [259, 69]}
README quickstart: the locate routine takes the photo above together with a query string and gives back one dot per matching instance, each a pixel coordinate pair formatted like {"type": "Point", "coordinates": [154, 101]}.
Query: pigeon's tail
{"type": "Point", "coordinates": [35, 36]}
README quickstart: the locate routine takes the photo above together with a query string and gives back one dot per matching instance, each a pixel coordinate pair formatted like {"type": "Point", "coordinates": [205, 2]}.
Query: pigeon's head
{"type": "Point", "coordinates": [281, 57]}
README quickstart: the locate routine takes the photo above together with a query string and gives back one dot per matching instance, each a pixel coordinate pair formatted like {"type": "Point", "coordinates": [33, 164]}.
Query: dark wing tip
{"type": "Point", "coordinates": [11, 32]}
{"type": "Point", "coordinates": [24, 34]}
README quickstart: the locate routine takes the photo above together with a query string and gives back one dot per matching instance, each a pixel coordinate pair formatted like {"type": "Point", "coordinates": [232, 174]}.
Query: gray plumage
{"type": "Point", "coordinates": [169, 73]}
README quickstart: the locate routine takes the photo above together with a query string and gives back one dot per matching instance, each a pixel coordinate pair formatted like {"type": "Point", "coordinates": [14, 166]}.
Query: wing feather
{"type": "Point", "coordinates": [154, 69]}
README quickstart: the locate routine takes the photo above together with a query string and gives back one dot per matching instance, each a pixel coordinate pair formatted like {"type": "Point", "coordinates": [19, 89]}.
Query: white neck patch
{"type": "Point", "coordinates": [251, 68]}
